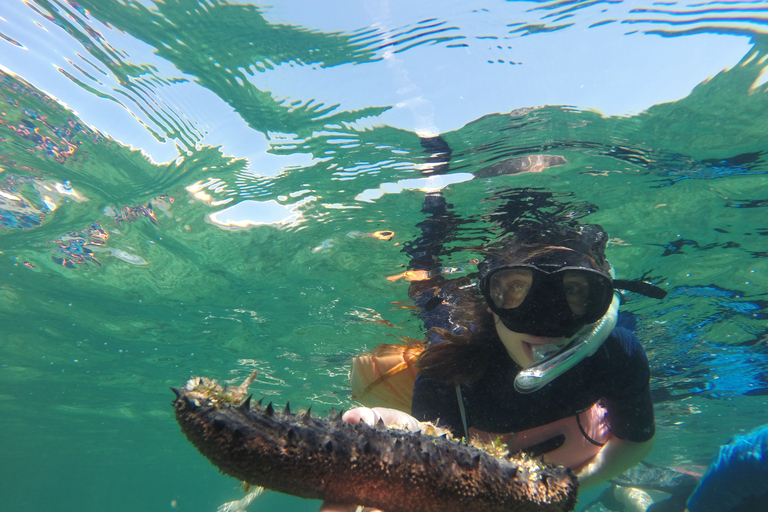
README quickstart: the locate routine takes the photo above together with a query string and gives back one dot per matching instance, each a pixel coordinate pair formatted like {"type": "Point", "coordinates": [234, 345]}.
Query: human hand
{"type": "Point", "coordinates": [390, 417]}
{"type": "Point", "coordinates": [371, 416]}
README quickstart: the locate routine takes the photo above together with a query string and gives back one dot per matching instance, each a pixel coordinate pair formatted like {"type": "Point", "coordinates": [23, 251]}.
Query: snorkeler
{"type": "Point", "coordinates": [531, 354]}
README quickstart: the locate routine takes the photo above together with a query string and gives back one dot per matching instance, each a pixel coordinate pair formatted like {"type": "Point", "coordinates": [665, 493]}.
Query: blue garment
{"type": "Point", "coordinates": [737, 479]}
{"type": "Point", "coordinates": [617, 374]}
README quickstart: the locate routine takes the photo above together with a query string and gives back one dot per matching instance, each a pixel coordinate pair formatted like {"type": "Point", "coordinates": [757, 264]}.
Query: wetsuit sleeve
{"type": "Point", "coordinates": [628, 400]}
{"type": "Point", "coordinates": [436, 401]}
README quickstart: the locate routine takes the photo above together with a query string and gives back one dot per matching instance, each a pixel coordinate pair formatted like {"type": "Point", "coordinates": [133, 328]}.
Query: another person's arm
{"type": "Point", "coordinates": [737, 479]}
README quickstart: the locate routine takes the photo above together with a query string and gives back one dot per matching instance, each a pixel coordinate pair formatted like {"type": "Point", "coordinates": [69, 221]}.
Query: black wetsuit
{"type": "Point", "coordinates": [617, 374]}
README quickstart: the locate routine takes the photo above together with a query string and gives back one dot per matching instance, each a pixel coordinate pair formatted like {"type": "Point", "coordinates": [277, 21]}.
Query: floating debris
{"type": "Point", "coordinates": [413, 275]}
{"type": "Point", "coordinates": [423, 275]}
{"type": "Point", "coordinates": [133, 259]}
{"type": "Point", "coordinates": [327, 244]}
{"type": "Point", "coordinates": [381, 235]}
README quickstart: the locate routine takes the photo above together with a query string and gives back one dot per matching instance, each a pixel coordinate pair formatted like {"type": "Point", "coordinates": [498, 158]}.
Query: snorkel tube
{"type": "Point", "coordinates": [584, 344]}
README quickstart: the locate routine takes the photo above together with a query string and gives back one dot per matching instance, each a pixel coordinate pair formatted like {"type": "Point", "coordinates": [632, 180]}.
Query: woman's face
{"type": "Point", "coordinates": [519, 345]}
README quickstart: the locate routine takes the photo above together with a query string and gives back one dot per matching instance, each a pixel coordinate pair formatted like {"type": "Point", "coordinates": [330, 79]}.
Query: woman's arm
{"type": "Point", "coordinates": [613, 459]}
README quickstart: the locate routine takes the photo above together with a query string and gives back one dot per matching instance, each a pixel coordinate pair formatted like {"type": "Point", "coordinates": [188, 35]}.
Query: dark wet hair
{"type": "Point", "coordinates": [463, 353]}
{"type": "Point", "coordinates": [550, 247]}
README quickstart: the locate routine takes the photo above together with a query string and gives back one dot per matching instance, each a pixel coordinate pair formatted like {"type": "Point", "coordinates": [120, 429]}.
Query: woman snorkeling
{"type": "Point", "coordinates": [545, 366]}
{"type": "Point", "coordinates": [530, 354]}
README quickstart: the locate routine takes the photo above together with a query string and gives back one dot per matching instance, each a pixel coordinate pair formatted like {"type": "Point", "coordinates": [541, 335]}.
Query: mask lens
{"type": "Point", "coordinates": [508, 288]}
{"type": "Point", "coordinates": [535, 302]}
{"type": "Point", "coordinates": [580, 288]}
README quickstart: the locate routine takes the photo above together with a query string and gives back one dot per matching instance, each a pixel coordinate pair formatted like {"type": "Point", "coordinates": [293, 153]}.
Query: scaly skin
{"type": "Point", "coordinates": [390, 469]}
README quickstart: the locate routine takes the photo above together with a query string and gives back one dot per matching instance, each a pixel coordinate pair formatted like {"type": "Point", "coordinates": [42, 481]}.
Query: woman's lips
{"type": "Point", "coordinates": [528, 351]}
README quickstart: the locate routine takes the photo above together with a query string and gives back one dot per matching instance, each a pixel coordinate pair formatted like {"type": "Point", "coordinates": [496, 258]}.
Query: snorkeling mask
{"type": "Point", "coordinates": [553, 303]}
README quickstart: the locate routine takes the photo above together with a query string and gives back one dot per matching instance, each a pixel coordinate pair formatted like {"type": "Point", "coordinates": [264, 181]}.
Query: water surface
{"type": "Point", "coordinates": [190, 188]}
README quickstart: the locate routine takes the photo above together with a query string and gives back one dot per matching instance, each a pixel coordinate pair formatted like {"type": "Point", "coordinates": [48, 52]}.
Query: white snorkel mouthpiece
{"type": "Point", "coordinates": [551, 362]}
{"type": "Point", "coordinates": [541, 352]}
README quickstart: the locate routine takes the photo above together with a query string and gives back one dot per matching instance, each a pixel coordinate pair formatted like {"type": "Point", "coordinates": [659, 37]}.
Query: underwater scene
{"type": "Point", "coordinates": [211, 188]}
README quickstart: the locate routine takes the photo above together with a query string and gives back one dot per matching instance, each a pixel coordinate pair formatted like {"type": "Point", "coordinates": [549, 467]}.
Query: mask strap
{"type": "Point", "coordinates": [641, 287]}
{"type": "Point", "coordinates": [463, 412]}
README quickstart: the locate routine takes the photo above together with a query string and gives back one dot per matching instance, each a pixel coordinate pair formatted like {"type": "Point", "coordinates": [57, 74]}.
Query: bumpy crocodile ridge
{"type": "Point", "coordinates": [391, 469]}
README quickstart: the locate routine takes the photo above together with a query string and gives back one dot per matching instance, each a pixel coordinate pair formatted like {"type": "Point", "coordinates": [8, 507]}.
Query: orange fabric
{"type": "Point", "coordinates": [411, 275]}
{"type": "Point", "coordinates": [385, 377]}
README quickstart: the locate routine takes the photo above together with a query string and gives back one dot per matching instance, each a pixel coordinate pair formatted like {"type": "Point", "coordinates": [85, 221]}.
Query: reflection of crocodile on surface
{"type": "Point", "coordinates": [388, 468]}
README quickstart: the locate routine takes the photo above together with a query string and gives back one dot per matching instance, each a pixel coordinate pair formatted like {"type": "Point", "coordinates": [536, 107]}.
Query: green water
{"type": "Point", "coordinates": [91, 341]}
